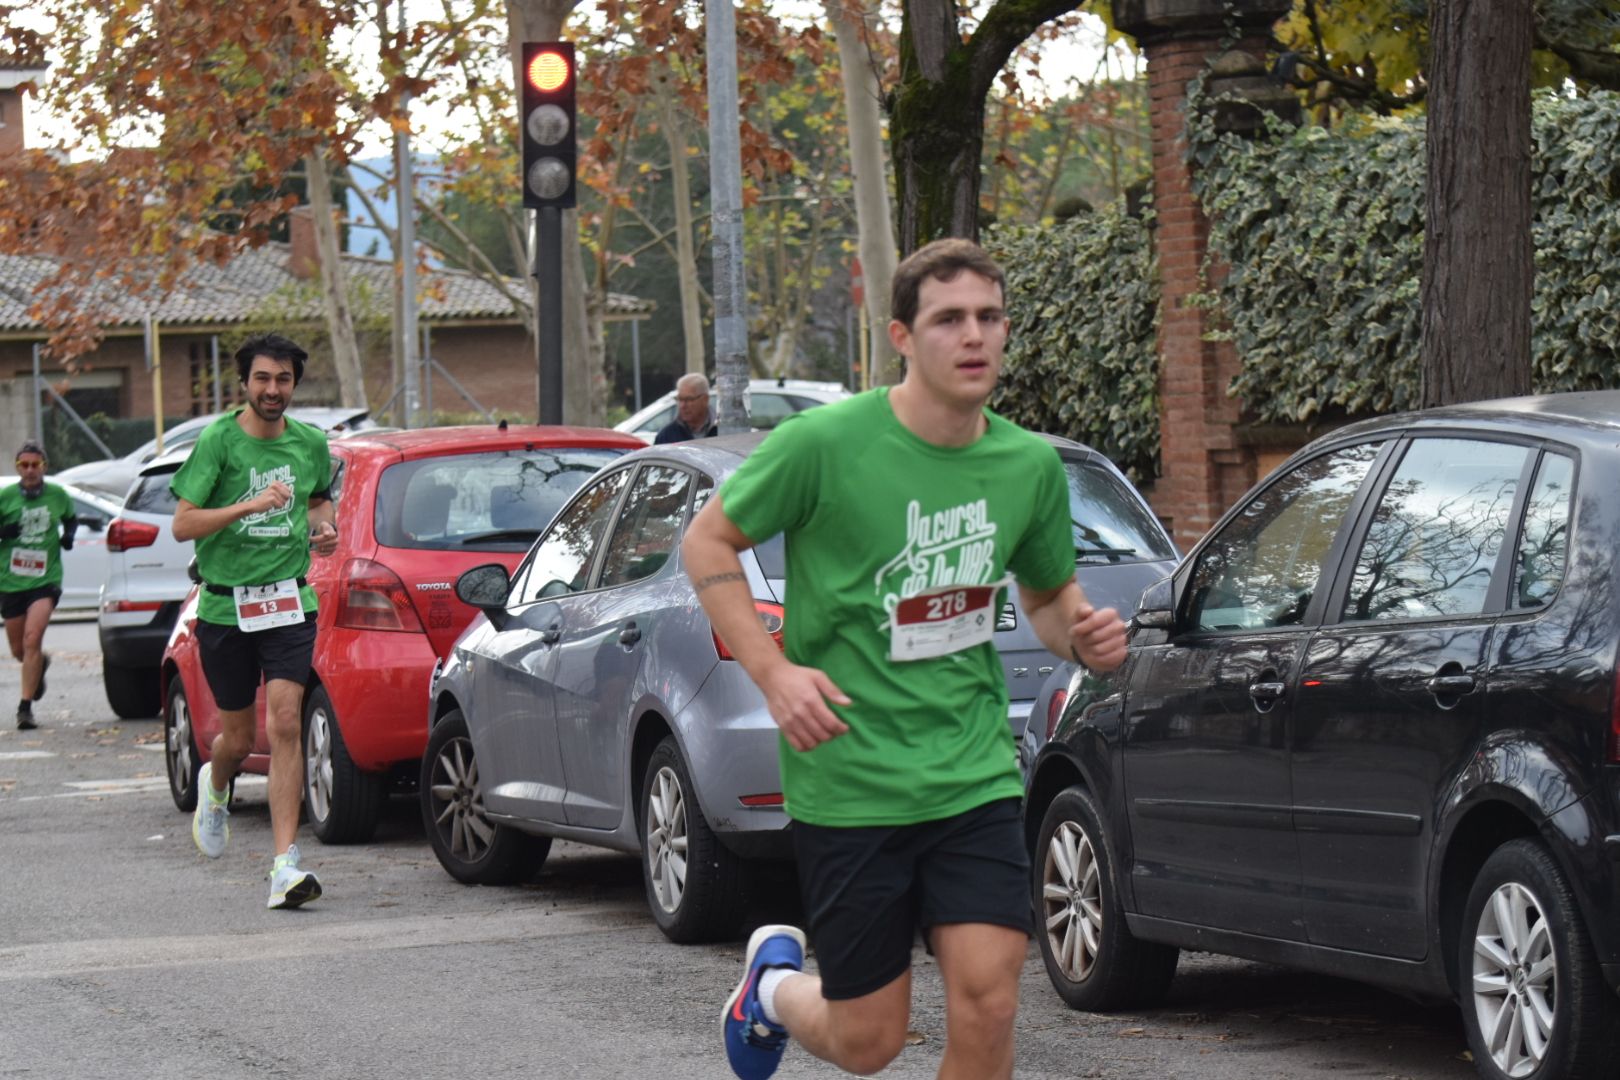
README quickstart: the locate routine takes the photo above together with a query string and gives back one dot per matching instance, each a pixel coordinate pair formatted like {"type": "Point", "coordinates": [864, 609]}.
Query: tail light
{"type": "Point", "coordinates": [772, 616]}
{"type": "Point", "coordinates": [372, 597]}
{"type": "Point", "coordinates": [1614, 723]}
{"type": "Point", "coordinates": [124, 534]}
{"type": "Point", "coordinates": [1054, 711]}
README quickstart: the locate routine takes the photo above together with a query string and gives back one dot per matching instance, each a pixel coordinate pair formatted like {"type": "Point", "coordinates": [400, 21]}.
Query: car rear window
{"type": "Point", "coordinates": [492, 501]}
{"type": "Point", "coordinates": [1111, 525]}
{"type": "Point", "coordinates": [151, 495]}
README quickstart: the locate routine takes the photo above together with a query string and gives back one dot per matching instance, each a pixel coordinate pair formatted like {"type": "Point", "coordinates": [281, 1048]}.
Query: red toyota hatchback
{"type": "Point", "coordinates": [414, 510]}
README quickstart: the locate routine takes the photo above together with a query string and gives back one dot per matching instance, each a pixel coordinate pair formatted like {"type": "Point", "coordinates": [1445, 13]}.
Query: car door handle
{"type": "Point", "coordinates": [551, 634]}
{"type": "Point", "coordinates": [1450, 685]}
{"type": "Point", "coordinates": [630, 634]}
{"type": "Point", "coordinates": [1267, 692]}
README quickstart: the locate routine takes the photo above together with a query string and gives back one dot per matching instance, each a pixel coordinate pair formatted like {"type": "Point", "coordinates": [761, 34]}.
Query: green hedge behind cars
{"type": "Point", "coordinates": [1322, 234]}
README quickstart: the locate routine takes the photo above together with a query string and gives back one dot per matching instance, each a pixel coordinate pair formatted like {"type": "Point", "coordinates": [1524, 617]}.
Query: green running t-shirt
{"type": "Point", "coordinates": [872, 515]}
{"type": "Point", "coordinates": [40, 519]}
{"type": "Point", "coordinates": [228, 466]}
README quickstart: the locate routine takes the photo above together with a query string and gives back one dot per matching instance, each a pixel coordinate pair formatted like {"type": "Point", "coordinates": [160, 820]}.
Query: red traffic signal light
{"type": "Point", "coordinates": [547, 124]}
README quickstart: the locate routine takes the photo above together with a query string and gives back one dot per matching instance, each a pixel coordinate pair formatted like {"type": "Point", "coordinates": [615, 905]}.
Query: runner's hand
{"type": "Point", "coordinates": [10, 530]}
{"type": "Point", "coordinates": [324, 539]}
{"type": "Point", "coordinates": [273, 497]}
{"type": "Point", "coordinates": [1098, 638]}
{"type": "Point", "coordinates": [797, 698]}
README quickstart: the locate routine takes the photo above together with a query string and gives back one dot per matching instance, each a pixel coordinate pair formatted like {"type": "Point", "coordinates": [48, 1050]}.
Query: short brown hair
{"type": "Point", "coordinates": [941, 260]}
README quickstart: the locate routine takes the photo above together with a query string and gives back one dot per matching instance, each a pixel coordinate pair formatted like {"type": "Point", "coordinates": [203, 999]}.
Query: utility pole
{"type": "Point", "coordinates": [725, 196]}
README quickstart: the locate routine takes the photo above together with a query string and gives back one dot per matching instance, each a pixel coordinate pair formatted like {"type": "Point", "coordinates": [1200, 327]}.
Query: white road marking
{"type": "Point", "coordinates": [21, 755]}
{"type": "Point", "coordinates": [130, 786]}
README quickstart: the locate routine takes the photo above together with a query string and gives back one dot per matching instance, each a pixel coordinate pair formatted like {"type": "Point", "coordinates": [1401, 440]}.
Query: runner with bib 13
{"type": "Point", "coordinates": [254, 496]}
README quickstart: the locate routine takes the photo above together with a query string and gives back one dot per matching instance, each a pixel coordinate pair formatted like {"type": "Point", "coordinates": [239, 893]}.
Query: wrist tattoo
{"type": "Point", "coordinates": [715, 579]}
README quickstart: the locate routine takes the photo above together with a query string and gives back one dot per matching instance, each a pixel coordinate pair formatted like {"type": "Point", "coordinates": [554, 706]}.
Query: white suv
{"type": "Point", "coordinates": [146, 583]}
{"type": "Point", "coordinates": [770, 402]}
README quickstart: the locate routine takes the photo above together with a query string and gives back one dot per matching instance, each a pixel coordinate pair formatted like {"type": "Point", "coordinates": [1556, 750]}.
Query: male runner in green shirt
{"type": "Point", "coordinates": [906, 510]}
{"type": "Point", "coordinates": [36, 518]}
{"type": "Point", "coordinates": [253, 495]}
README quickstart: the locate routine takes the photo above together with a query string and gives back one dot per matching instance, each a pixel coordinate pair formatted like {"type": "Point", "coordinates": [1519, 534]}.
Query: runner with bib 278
{"type": "Point", "coordinates": [908, 512]}
{"type": "Point", "coordinates": [253, 495]}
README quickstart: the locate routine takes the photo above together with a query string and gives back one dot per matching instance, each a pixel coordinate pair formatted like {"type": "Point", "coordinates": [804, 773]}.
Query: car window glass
{"type": "Point", "coordinates": [563, 560]}
{"type": "Point", "coordinates": [654, 423]}
{"type": "Point", "coordinates": [1111, 525]}
{"type": "Point", "coordinates": [1263, 567]}
{"type": "Point", "coordinates": [151, 495]}
{"type": "Point", "coordinates": [767, 410]}
{"type": "Point", "coordinates": [492, 501]}
{"type": "Point", "coordinates": [1544, 546]}
{"type": "Point", "coordinates": [1436, 531]}
{"type": "Point", "coordinates": [644, 537]}
{"type": "Point", "coordinates": [335, 487]}
{"type": "Point", "coordinates": [89, 516]}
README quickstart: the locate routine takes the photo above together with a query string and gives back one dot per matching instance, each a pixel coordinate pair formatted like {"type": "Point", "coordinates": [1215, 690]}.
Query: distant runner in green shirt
{"type": "Point", "coordinates": [36, 519]}
{"type": "Point", "coordinates": [907, 511]}
{"type": "Point", "coordinates": [253, 495]}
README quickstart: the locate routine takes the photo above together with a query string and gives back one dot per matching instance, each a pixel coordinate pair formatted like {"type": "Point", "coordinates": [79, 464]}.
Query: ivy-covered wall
{"type": "Point", "coordinates": [1322, 234]}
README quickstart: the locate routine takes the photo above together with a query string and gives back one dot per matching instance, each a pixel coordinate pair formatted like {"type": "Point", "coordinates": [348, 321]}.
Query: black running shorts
{"type": "Point", "coordinates": [14, 605]}
{"type": "Point", "coordinates": [868, 891]}
{"type": "Point", "coordinates": [234, 661]}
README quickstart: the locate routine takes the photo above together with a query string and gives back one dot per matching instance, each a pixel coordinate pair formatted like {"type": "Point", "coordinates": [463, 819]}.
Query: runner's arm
{"type": "Point", "coordinates": [322, 524]}
{"type": "Point", "coordinates": [1070, 627]}
{"type": "Point", "coordinates": [70, 525]}
{"type": "Point", "coordinates": [796, 696]}
{"type": "Point", "coordinates": [192, 522]}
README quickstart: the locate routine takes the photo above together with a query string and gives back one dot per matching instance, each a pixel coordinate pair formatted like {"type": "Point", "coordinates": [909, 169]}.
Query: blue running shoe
{"type": "Point", "coordinates": [754, 1044]}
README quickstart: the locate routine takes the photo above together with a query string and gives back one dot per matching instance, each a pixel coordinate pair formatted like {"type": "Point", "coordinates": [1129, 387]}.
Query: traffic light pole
{"type": "Point", "coordinates": [549, 336]}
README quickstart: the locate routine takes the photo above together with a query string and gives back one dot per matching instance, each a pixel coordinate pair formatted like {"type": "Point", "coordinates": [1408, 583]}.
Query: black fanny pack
{"type": "Point", "coordinates": [230, 590]}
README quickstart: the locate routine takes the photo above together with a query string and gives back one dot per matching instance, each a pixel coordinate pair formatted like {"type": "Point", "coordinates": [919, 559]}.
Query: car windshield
{"type": "Point", "coordinates": [492, 501]}
{"type": "Point", "coordinates": [1111, 525]}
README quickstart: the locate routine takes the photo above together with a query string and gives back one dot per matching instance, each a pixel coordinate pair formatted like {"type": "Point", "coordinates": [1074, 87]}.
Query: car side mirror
{"type": "Point", "coordinates": [485, 588]}
{"type": "Point", "coordinates": [1157, 608]}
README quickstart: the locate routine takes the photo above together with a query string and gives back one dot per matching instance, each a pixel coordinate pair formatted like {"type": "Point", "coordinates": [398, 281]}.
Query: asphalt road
{"type": "Point", "coordinates": [124, 953]}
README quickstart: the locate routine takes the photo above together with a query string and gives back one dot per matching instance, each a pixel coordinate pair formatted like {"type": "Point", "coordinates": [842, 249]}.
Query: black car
{"type": "Point", "coordinates": [1370, 727]}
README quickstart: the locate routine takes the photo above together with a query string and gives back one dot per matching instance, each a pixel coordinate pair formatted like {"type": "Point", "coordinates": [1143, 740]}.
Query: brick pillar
{"type": "Point", "coordinates": [1204, 469]}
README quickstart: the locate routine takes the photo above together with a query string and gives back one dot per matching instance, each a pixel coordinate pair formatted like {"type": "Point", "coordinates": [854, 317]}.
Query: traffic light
{"type": "Point", "coordinates": [548, 123]}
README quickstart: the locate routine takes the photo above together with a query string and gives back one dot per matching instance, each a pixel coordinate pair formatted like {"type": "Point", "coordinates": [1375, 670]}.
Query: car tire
{"type": "Point", "coordinates": [180, 754]}
{"type": "Point", "coordinates": [1092, 959]}
{"type": "Point", "coordinates": [341, 800]}
{"type": "Point", "coordinates": [1533, 997]}
{"type": "Point", "coordinates": [695, 885]}
{"type": "Point", "coordinates": [133, 693]}
{"type": "Point", "coordinates": [471, 847]}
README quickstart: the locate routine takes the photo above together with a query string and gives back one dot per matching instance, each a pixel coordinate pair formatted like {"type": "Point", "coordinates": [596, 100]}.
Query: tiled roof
{"type": "Point", "coordinates": [234, 292]}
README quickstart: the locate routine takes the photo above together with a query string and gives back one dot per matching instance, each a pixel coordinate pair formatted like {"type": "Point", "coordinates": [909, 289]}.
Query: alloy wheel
{"type": "Point", "coordinates": [458, 802]}
{"type": "Point", "coordinates": [1515, 979]}
{"type": "Point", "coordinates": [1071, 900]}
{"type": "Point", "coordinates": [667, 839]}
{"type": "Point", "coordinates": [318, 763]}
{"type": "Point", "coordinates": [180, 746]}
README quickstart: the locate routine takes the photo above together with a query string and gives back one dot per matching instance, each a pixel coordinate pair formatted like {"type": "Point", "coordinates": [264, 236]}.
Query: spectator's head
{"type": "Point", "coordinates": [692, 401]}
{"type": "Point", "coordinates": [941, 260]}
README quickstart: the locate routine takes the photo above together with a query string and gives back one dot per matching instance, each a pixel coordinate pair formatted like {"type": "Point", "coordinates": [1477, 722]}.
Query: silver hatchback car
{"type": "Point", "coordinates": [593, 702]}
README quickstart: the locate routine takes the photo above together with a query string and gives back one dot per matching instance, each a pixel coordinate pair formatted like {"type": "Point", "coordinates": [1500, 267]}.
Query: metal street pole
{"type": "Point", "coordinates": [725, 196]}
{"type": "Point", "coordinates": [404, 192]}
{"type": "Point", "coordinates": [549, 340]}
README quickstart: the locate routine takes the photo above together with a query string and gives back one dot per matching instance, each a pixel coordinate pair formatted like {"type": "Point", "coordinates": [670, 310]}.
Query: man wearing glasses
{"type": "Point", "coordinates": [36, 519]}
{"type": "Point", "coordinates": [693, 420]}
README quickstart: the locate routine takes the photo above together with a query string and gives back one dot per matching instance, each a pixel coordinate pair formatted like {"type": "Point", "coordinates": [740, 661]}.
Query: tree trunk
{"type": "Point", "coordinates": [542, 20]}
{"type": "Point", "coordinates": [673, 126]}
{"type": "Point", "coordinates": [873, 221]}
{"type": "Point", "coordinates": [1478, 258]}
{"type": "Point", "coordinates": [334, 286]}
{"type": "Point", "coordinates": [937, 125]}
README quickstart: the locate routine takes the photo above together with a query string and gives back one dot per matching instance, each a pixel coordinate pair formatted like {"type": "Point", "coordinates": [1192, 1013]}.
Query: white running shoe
{"type": "Point", "coordinates": [291, 887]}
{"type": "Point", "coordinates": [209, 824]}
